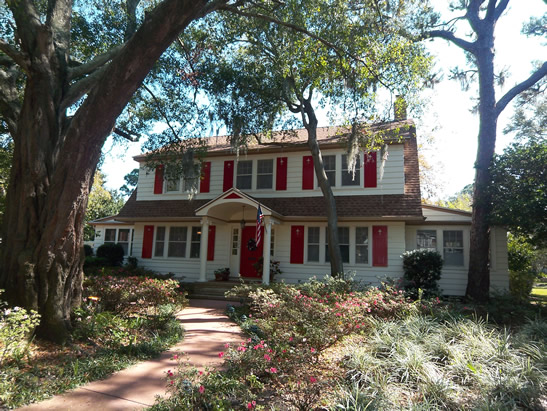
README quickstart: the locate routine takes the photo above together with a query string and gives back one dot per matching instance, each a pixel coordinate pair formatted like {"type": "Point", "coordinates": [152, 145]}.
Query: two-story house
{"type": "Point", "coordinates": [379, 208]}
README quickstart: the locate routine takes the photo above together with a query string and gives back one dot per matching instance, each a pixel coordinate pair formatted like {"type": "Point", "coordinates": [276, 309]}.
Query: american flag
{"type": "Point", "coordinates": [259, 217]}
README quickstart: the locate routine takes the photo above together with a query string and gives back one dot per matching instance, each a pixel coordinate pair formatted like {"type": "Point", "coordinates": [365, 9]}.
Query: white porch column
{"type": "Point", "coordinates": [267, 247]}
{"type": "Point", "coordinates": [204, 240]}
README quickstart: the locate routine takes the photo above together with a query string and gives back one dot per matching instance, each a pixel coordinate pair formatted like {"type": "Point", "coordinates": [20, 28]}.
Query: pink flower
{"type": "Point", "coordinates": [267, 357]}
{"type": "Point", "coordinates": [290, 338]}
{"type": "Point", "coordinates": [171, 382]}
{"type": "Point", "coordinates": [201, 389]}
{"type": "Point", "coordinates": [251, 405]}
{"type": "Point", "coordinates": [200, 373]}
{"type": "Point", "coordinates": [241, 348]}
{"type": "Point", "coordinates": [175, 357]}
{"type": "Point", "coordinates": [220, 354]}
{"type": "Point", "coordinates": [313, 380]}
{"type": "Point", "coordinates": [312, 350]}
{"type": "Point", "coordinates": [170, 373]}
{"type": "Point", "coordinates": [227, 345]}
{"type": "Point", "coordinates": [273, 370]}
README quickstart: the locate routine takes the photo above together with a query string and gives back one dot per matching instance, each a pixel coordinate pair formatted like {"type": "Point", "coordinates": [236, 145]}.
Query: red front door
{"type": "Point", "coordinates": [248, 257]}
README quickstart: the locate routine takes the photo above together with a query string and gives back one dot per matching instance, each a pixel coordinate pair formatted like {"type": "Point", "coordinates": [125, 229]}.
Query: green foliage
{"type": "Point", "coordinates": [88, 250]}
{"type": "Point", "coordinates": [101, 203]}
{"type": "Point", "coordinates": [519, 190]}
{"type": "Point", "coordinates": [131, 180]}
{"type": "Point", "coordinates": [112, 253]}
{"type": "Point", "coordinates": [454, 363]}
{"type": "Point", "coordinates": [16, 329]}
{"type": "Point", "coordinates": [6, 154]}
{"type": "Point", "coordinates": [130, 294]}
{"type": "Point", "coordinates": [463, 200]}
{"type": "Point", "coordinates": [422, 271]}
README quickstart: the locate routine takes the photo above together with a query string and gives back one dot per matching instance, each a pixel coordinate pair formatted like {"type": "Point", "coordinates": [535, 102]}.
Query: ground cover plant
{"type": "Point", "coordinates": [336, 345]}
{"type": "Point", "coordinates": [123, 320]}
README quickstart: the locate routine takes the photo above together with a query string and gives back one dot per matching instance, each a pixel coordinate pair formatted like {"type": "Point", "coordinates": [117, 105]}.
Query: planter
{"type": "Point", "coordinates": [222, 275]}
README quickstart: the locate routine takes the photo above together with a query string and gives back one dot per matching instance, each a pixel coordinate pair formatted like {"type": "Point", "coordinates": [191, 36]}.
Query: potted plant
{"type": "Point", "coordinates": [222, 274]}
{"type": "Point", "coordinates": [274, 268]}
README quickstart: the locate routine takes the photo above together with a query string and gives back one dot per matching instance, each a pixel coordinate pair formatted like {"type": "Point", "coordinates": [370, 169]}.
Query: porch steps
{"type": "Point", "coordinates": [213, 290]}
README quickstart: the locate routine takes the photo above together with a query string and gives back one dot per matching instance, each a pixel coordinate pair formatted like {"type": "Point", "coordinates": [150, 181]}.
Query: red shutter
{"type": "Point", "coordinates": [211, 243]}
{"type": "Point", "coordinates": [158, 180]}
{"type": "Point", "coordinates": [307, 173]}
{"type": "Point", "coordinates": [147, 241]}
{"type": "Point", "coordinates": [297, 244]}
{"type": "Point", "coordinates": [379, 245]}
{"type": "Point", "coordinates": [370, 169]}
{"type": "Point", "coordinates": [205, 180]}
{"type": "Point", "coordinates": [228, 175]}
{"type": "Point", "coordinates": [281, 174]}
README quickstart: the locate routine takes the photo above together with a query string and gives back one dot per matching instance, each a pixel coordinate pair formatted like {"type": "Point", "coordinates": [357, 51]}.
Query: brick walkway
{"type": "Point", "coordinates": [207, 330]}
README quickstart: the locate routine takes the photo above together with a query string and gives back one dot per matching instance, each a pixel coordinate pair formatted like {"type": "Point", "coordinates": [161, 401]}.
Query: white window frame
{"type": "Point", "coordinates": [355, 245]}
{"type": "Point", "coordinates": [258, 174]}
{"type": "Point", "coordinates": [318, 244]}
{"type": "Point", "coordinates": [451, 246]}
{"type": "Point", "coordinates": [244, 175]}
{"type": "Point", "coordinates": [166, 240]}
{"type": "Point", "coordinates": [435, 248]}
{"type": "Point", "coordinates": [355, 182]}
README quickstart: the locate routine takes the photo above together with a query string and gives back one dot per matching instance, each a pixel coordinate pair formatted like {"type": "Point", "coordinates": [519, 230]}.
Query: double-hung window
{"type": "Point", "coordinates": [177, 242]}
{"type": "Point", "coordinates": [361, 245]}
{"type": "Point", "coordinates": [123, 239]}
{"type": "Point", "coordinates": [426, 239]}
{"type": "Point", "coordinates": [244, 174]}
{"type": "Point", "coordinates": [264, 174]}
{"type": "Point", "coordinates": [110, 235]}
{"type": "Point", "coordinates": [313, 244]}
{"type": "Point", "coordinates": [453, 247]}
{"type": "Point", "coordinates": [349, 178]}
{"type": "Point", "coordinates": [343, 241]}
{"type": "Point", "coordinates": [329, 164]}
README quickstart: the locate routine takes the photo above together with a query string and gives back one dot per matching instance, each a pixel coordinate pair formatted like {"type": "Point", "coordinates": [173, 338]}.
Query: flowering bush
{"type": "Point", "coordinates": [16, 326]}
{"type": "Point", "coordinates": [129, 294]}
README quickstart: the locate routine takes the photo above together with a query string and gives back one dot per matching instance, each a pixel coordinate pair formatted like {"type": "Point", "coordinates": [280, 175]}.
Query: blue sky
{"type": "Point", "coordinates": [446, 116]}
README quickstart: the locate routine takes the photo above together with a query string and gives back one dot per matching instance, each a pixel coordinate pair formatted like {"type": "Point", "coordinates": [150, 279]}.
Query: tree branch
{"type": "Point", "coordinates": [126, 135]}
{"type": "Point", "coordinates": [500, 9]}
{"type": "Point", "coordinates": [92, 65]}
{"type": "Point", "coordinates": [340, 53]}
{"type": "Point", "coordinates": [519, 88]}
{"type": "Point", "coordinates": [78, 89]}
{"type": "Point", "coordinates": [18, 57]}
{"type": "Point", "coordinates": [472, 14]}
{"type": "Point", "coordinates": [162, 112]}
{"type": "Point", "coordinates": [131, 8]}
{"type": "Point", "coordinates": [9, 99]}
{"type": "Point", "coordinates": [59, 13]}
{"type": "Point", "coordinates": [448, 35]}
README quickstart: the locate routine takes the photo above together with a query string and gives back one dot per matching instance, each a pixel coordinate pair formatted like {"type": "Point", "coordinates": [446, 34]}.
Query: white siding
{"type": "Point", "coordinates": [391, 183]}
{"type": "Point", "coordinates": [444, 215]}
{"type": "Point", "coordinates": [499, 273]}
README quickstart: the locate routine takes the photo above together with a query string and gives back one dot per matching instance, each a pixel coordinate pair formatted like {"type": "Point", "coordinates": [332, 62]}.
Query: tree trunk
{"type": "Point", "coordinates": [41, 254]}
{"type": "Point", "coordinates": [336, 263]}
{"type": "Point", "coordinates": [478, 280]}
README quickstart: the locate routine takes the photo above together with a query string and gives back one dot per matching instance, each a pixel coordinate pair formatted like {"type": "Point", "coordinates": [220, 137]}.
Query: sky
{"type": "Point", "coordinates": [446, 119]}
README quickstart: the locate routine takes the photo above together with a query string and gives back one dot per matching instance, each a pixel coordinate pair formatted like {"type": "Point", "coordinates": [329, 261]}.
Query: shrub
{"type": "Point", "coordinates": [16, 328]}
{"type": "Point", "coordinates": [88, 250]}
{"type": "Point", "coordinates": [113, 253]}
{"type": "Point", "coordinates": [521, 283]}
{"type": "Point", "coordinates": [91, 262]}
{"type": "Point", "coordinates": [130, 294]}
{"type": "Point", "coordinates": [422, 271]}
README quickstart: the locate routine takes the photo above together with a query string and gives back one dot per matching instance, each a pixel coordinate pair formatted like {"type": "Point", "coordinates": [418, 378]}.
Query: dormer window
{"type": "Point", "coordinates": [244, 179]}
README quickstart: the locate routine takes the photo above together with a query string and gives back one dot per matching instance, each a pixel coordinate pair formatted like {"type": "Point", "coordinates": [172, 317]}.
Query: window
{"type": "Point", "coordinates": [160, 242]}
{"type": "Point", "coordinates": [453, 247]}
{"type": "Point", "coordinates": [329, 164]}
{"type": "Point", "coordinates": [348, 178]}
{"type": "Point", "coordinates": [343, 242]}
{"type": "Point", "coordinates": [244, 174]}
{"type": "Point", "coordinates": [426, 239]}
{"type": "Point", "coordinates": [191, 183]}
{"type": "Point", "coordinates": [361, 245]}
{"type": "Point", "coordinates": [313, 244]}
{"type": "Point", "coordinates": [195, 243]}
{"type": "Point", "coordinates": [110, 235]}
{"type": "Point", "coordinates": [123, 239]}
{"type": "Point", "coordinates": [264, 174]}
{"type": "Point", "coordinates": [235, 241]}
{"type": "Point", "coordinates": [172, 185]}
{"type": "Point", "coordinates": [177, 242]}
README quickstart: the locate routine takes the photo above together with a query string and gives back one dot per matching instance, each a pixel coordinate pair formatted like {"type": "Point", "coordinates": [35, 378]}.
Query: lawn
{"type": "Point", "coordinates": [336, 346]}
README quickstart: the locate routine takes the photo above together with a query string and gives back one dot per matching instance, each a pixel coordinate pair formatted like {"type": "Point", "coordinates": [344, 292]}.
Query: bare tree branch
{"type": "Point", "coordinates": [18, 57]}
{"type": "Point", "coordinates": [515, 91]}
{"type": "Point", "coordinates": [162, 112]}
{"type": "Point", "coordinates": [448, 35]}
{"type": "Point", "coordinates": [133, 137]}
{"type": "Point", "coordinates": [131, 9]}
{"type": "Point", "coordinates": [80, 88]}
{"type": "Point", "coordinates": [92, 65]}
